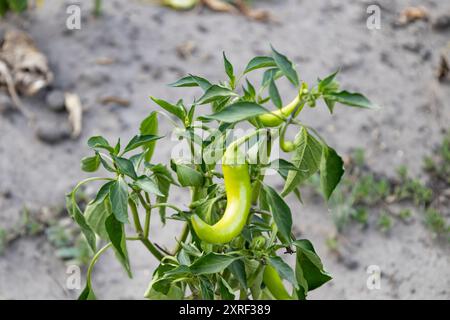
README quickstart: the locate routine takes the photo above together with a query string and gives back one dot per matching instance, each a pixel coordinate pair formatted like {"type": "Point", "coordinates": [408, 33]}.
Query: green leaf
{"type": "Point", "coordinates": [269, 75]}
{"type": "Point", "coordinates": [18, 5]}
{"type": "Point", "coordinates": [237, 269]}
{"type": "Point", "coordinates": [259, 62]}
{"type": "Point", "coordinates": [350, 99]}
{"type": "Point", "coordinates": [103, 192]}
{"type": "Point", "coordinates": [284, 270]}
{"type": "Point", "coordinates": [183, 258]}
{"type": "Point", "coordinates": [96, 214]}
{"type": "Point", "coordinates": [90, 164]}
{"type": "Point", "coordinates": [4, 7]}
{"type": "Point", "coordinates": [140, 140]}
{"type": "Point", "coordinates": [116, 233]}
{"type": "Point", "coordinates": [119, 200]}
{"type": "Point", "coordinates": [251, 89]}
{"type": "Point", "coordinates": [280, 211]}
{"type": "Point", "coordinates": [274, 94]}
{"type": "Point", "coordinates": [126, 167]}
{"type": "Point", "coordinates": [75, 212]}
{"type": "Point", "coordinates": [283, 166]}
{"type": "Point", "coordinates": [330, 104]}
{"type": "Point", "coordinates": [149, 126]}
{"type": "Point", "coordinates": [324, 84]}
{"type": "Point", "coordinates": [106, 165]}
{"type": "Point", "coordinates": [174, 293]}
{"type": "Point", "coordinates": [164, 179]}
{"type": "Point", "coordinates": [286, 67]}
{"type": "Point", "coordinates": [226, 292]}
{"type": "Point", "coordinates": [236, 112]}
{"type": "Point", "coordinates": [228, 69]}
{"type": "Point", "coordinates": [212, 263]}
{"type": "Point", "coordinates": [306, 157]}
{"type": "Point", "coordinates": [159, 284]}
{"type": "Point", "coordinates": [177, 110]}
{"type": "Point", "coordinates": [148, 185]}
{"type": "Point", "coordinates": [215, 93]}
{"type": "Point", "coordinates": [188, 176]}
{"type": "Point", "coordinates": [98, 142]}
{"type": "Point", "coordinates": [206, 288]}
{"type": "Point", "coordinates": [87, 293]}
{"type": "Point", "coordinates": [309, 269]}
{"type": "Point", "coordinates": [192, 81]}
{"type": "Point", "coordinates": [331, 171]}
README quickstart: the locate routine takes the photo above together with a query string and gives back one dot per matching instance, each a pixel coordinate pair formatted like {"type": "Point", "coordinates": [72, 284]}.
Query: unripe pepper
{"type": "Point", "coordinates": [275, 118]}
{"type": "Point", "coordinates": [238, 190]}
{"type": "Point", "coordinates": [274, 283]}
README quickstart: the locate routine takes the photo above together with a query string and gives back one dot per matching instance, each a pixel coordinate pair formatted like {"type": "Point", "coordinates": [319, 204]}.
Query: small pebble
{"type": "Point", "coordinates": [55, 100]}
{"type": "Point", "coordinates": [442, 22]}
{"type": "Point", "coordinates": [54, 133]}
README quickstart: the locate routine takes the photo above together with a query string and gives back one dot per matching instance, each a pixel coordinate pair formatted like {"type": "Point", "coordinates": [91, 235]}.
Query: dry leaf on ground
{"type": "Point", "coordinates": [411, 14]}
{"type": "Point", "coordinates": [75, 110]}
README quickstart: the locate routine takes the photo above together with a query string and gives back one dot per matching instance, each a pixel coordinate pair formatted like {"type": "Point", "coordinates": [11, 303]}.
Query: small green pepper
{"type": "Point", "coordinates": [275, 118]}
{"type": "Point", "coordinates": [274, 283]}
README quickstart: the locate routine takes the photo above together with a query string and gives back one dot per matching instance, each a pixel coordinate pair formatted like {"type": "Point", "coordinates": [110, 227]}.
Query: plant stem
{"type": "Point", "coordinates": [184, 235]}
{"type": "Point", "coordinates": [146, 204]}
{"type": "Point", "coordinates": [137, 222]}
{"type": "Point", "coordinates": [150, 246]}
{"type": "Point", "coordinates": [168, 205]}
{"type": "Point", "coordinates": [97, 256]}
{"type": "Point", "coordinates": [86, 181]}
{"type": "Point", "coordinates": [148, 213]}
{"type": "Point", "coordinates": [153, 250]}
{"type": "Point", "coordinates": [97, 8]}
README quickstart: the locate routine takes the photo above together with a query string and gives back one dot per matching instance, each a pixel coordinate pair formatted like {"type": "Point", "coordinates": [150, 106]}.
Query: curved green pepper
{"type": "Point", "coordinates": [274, 283]}
{"type": "Point", "coordinates": [238, 190]}
{"type": "Point", "coordinates": [275, 118]}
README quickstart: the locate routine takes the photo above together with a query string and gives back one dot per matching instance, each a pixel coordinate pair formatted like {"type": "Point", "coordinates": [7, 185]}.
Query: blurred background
{"type": "Point", "coordinates": [392, 210]}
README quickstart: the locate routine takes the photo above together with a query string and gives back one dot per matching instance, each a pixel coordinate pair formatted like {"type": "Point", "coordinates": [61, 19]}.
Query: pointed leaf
{"type": "Point", "coordinates": [192, 81]}
{"type": "Point", "coordinates": [280, 211]}
{"type": "Point", "coordinates": [116, 233]}
{"type": "Point", "coordinates": [284, 270]}
{"type": "Point", "coordinates": [307, 158]}
{"type": "Point", "coordinates": [212, 263]}
{"type": "Point", "coordinates": [286, 67]}
{"type": "Point", "coordinates": [215, 93]}
{"type": "Point", "coordinates": [176, 110]}
{"type": "Point", "coordinates": [260, 62]}
{"type": "Point", "coordinates": [119, 200]}
{"type": "Point", "coordinates": [331, 171]}
{"type": "Point", "coordinates": [140, 140]}
{"type": "Point", "coordinates": [350, 99]}
{"type": "Point", "coordinates": [236, 112]}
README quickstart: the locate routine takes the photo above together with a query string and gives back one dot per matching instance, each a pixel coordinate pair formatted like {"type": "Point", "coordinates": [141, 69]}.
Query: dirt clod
{"type": "Point", "coordinates": [55, 100]}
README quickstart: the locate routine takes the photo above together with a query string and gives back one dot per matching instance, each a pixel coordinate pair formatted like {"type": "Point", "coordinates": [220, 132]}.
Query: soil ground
{"type": "Point", "coordinates": [394, 66]}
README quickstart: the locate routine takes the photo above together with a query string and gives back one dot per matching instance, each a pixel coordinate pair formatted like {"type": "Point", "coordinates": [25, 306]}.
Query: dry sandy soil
{"type": "Point", "coordinates": [394, 66]}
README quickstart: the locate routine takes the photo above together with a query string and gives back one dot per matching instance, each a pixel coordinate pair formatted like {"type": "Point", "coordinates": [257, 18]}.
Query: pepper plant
{"type": "Point", "coordinates": [237, 227]}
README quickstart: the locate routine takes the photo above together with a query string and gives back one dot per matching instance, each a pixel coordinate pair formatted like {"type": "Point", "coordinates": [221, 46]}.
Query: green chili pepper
{"type": "Point", "coordinates": [239, 192]}
{"type": "Point", "coordinates": [275, 118]}
{"type": "Point", "coordinates": [274, 283]}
